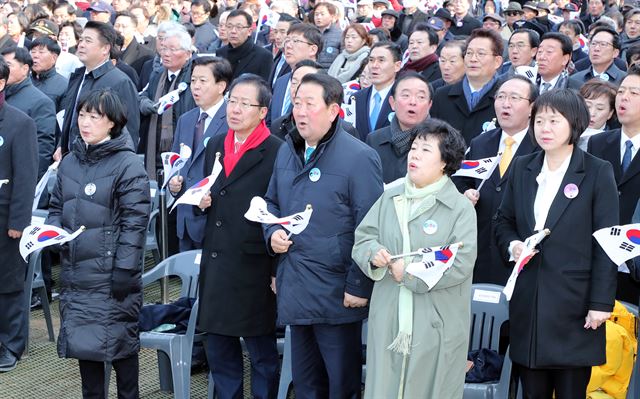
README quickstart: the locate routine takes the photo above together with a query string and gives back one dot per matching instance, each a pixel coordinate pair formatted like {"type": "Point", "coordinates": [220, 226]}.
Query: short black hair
{"type": "Point", "coordinates": [575, 25]}
{"type": "Point", "coordinates": [205, 5]}
{"type": "Point", "coordinates": [264, 91]}
{"type": "Point", "coordinates": [450, 142]}
{"type": "Point", "coordinates": [77, 29]}
{"type": "Point", "coordinates": [565, 42]}
{"type": "Point", "coordinates": [220, 68]}
{"type": "Point", "coordinates": [20, 54]}
{"type": "Point", "coordinates": [190, 28]}
{"type": "Point", "coordinates": [394, 49]}
{"type": "Point", "coordinates": [632, 51]}
{"type": "Point", "coordinates": [106, 33]}
{"type": "Point", "coordinates": [615, 37]}
{"type": "Point", "coordinates": [533, 88]}
{"type": "Point", "coordinates": [431, 34]}
{"type": "Point", "coordinates": [48, 43]}
{"type": "Point", "coordinates": [284, 17]}
{"type": "Point", "coordinates": [127, 14]}
{"type": "Point", "coordinates": [382, 34]}
{"type": "Point", "coordinates": [68, 7]}
{"type": "Point", "coordinates": [332, 92]}
{"type": "Point", "coordinates": [306, 63]}
{"type": "Point", "coordinates": [411, 75]}
{"type": "Point", "coordinates": [106, 103]}
{"type": "Point", "coordinates": [4, 70]}
{"type": "Point", "coordinates": [567, 103]}
{"type": "Point", "coordinates": [534, 37]}
{"type": "Point", "coordinates": [497, 44]}
{"type": "Point", "coordinates": [310, 32]}
{"type": "Point", "coordinates": [240, 13]}
{"type": "Point", "coordinates": [456, 43]}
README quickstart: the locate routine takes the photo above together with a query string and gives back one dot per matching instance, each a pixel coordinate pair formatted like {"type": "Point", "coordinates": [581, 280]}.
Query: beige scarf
{"type": "Point", "coordinates": [166, 127]}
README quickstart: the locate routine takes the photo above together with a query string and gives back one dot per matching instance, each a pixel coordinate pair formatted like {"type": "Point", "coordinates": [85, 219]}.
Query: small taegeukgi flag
{"type": "Point", "coordinates": [3, 182]}
{"type": "Point", "coordinates": [620, 243]}
{"type": "Point", "coordinates": [295, 223]}
{"type": "Point", "coordinates": [42, 184]}
{"type": "Point", "coordinates": [350, 88]}
{"type": "Point", "coordinates": [435, 261]}
{"type": "Point", "coordinates": [527, 253]}
{"type": "Point", "coordinates": [478, 169]}
{"type": "Point", "coordinates": [165, 102]}
{"type": "Point", "coordinates": [195, 193]}
{"type": "Point", "coordinates": [172, 162]}
{"type": "Point", "coordinates": [348, 113]}
{"type": "Point", "coordinates": [40, 235]}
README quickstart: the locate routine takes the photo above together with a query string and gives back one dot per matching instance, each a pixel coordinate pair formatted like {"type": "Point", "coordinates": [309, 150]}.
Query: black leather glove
{"type": "Point", "coordinates": [122, 284]}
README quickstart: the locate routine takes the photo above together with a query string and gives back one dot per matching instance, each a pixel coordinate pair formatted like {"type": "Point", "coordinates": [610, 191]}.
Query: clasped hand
{"type": "Point", "coordinates": [396, 266]}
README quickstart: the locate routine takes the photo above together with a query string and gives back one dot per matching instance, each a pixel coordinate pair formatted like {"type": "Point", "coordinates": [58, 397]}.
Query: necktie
{"type": "Point", "coordinates": [171, 76]}
{"type": "Point", "coordinates": [307, 154]}
{"type": "Point", "coordinates": [507, 155]}
{"type": "Point", "coordinates": [286, 104]}
{"type": "Point", "coordinates": [236, 147]}
{"type": "Point", "coordinates": [626, 157]}
{"type": "Point", "coordinates": [375, 111]}
{"type": "Point", "coordinates": [545, 86]}
{"type": "Point", "coordinates": [199, 132]}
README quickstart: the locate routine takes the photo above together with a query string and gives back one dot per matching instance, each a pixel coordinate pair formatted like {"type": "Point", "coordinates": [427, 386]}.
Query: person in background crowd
{"type": "Point", "coordinates": [372, 104]}
{"type": "Point", "coordinates": [206, 39]}
{"type": "Point", "coordinates": [553, 57]}
{"type": "Point", "coordinates": [620, 148]}
{"type": "Point", "coordinates": [5, 39]}
{"type": "Point", "coordinates": [451, 63]}
{"type": "Point", "coordinates": [379, 35]}
{"type": "Point", "coordinates": [21, 94]}
{"type": "Point", "coordinates": [340, 177]}
{"type": "Point", "coordinates": [423, 59]}
{"type": "Point", "coordinates": [94, 51]}
{"type": "Point", "coordinates": [279, 34]}
{"type": "Point", "coordinates": [468, 104]}
{"type": "Point", "coordinates": [410, 100]}
{"type": "Point", "coordinates": [513, 101]}
{"type": "Point", "coordinates": [631, 34]}
{"type": "Point", "coordinates": [356, 46]}
{"type": "Point", "coordinates": [235, 294]}
{"type": "Point", "coordinates": [440, 27]}
{"type": "Point", "coordinates": [523, 47]}
{"type": "Point", "coordinates": [465, 23]}
{"type": "Point", "coordinates": [632, 55]}
{"type": "Point", "coordinates": [530, 10]}
{"type": "Point", "coordinates": [418, 334]}
{"type": "Point", "coordinates": [391, 22]}
{"type": "Point", "coordinates": [596, 9]}
{"type": "Point", "coordinates": [324, 17]}
{"type": "Point", "coordinates": [570, 281]}
{"type": "Point", "coordinates": [543, 16]}
{"type": "Point", "coordinates": [68, 38]}
{"type": "Point", "coordinates": [604, 46]}
{"type": "Point", "coordinates": [411, 16]}
{"type": "Point", "coordinates": [101, 11]}
{"type": "Point", "coordinates": [210, 78]}
{"type": "Point", "coordinates": [145, 32]}
{"type": "Point", "coordinates": [573, 29]}
{"type": "Point", "coordinates": [513, 13]}
{"type": "Point", "coordinates": [364, 11]}
{"type": "Point", "coordinates": [134, 54]}
{"type": "Point", "coordinates": [600, 97]}
{"type": "Point", "coordinates": [120, 5]}
{"type": "Point", "coordinates": [101, 185]}
{"type": "Point", "coordinates": [45, 52]}
{"type": "Point", "coordinates": [17, 25]}
{"type": "Point", "coordinates": [18, 164]}
{"type": "Point", "coordinates": [241, 52]}
{"type": "Point", "coordinates": [63, 12]}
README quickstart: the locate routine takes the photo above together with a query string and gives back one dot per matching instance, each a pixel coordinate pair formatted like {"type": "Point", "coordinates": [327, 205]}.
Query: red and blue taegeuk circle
{"type": "Point", "coordinates": [634, 236]}
{"type": "Point", "coordinates": [202, 182]}
{"type": "Point", "coordinates": [47, 235]}
{"type": "Point", "coordinates": [470, 164]}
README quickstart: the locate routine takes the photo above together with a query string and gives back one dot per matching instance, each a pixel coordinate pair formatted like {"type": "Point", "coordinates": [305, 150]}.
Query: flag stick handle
{"type": "Point", "coordinates": [289, 235]}
{"type": "Point", "coordinates": [459, 244]}
{"type": "Point", "coordinates": [481, 184]}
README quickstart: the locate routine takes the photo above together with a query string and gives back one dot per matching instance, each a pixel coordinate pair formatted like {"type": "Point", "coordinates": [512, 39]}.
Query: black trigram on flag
{"type": "Point", "coordinates": [488, 160]}
{"type": "Point", "coordinates": [349, 113]}
{"type": "Point", "coordinates": [29, 245]}
{"type": "Point", "coordinates": [298, 218]}
{"type": "Point", "coordinates": [426, 250]}
{"type": "Point", "coordinates": [615, 231]}
{"type": "Point", "coordinates": [34, 230]}
{"type": "Point", "coordinates": [481, 170]}
{"type": "Point", "coordinates": [529, 74]}
{"type": "Point", "coordinates": [627, 247]}
{"type": "Point", "coordinates": [428, 264]}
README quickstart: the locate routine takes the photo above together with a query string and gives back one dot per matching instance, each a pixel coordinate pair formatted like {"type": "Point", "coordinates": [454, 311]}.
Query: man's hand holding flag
{"type": "Point", "coordinates": [196, 192]}
{"type": "Point", "coordinates": [294, 224]}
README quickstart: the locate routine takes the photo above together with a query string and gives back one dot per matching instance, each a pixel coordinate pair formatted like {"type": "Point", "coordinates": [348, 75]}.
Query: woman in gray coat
{"type": "Point", "coordinates": [418, 333]}
{"type": "Point", "coordinates": [103, 186]}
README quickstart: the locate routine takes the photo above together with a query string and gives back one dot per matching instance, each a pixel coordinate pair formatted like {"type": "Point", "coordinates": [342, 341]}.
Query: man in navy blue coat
{"type": "Point", "coordinates": [210, 78]}
{"type": "Point", "coordinates": [321, 292]}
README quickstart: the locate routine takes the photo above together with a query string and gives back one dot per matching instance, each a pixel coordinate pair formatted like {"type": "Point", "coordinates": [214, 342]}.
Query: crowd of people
{"type": "Point", "coordinates": [364, 111]}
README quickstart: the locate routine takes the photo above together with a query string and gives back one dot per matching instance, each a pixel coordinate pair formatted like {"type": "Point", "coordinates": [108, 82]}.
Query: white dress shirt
{"type": "Point", "coordinates": [623, 139]}
{"type": "Point", "coordinates": [383, 95]}
{"type": "Point", "coordinates": [548, 185]}
{"type": "Point", "coordinates": [517, 138]}
{"type": "Point", "coordinates": [210, 113]}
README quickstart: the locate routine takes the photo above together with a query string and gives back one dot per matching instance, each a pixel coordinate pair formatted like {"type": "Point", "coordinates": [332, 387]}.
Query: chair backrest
{"type": "Point", "coordinates": [39, 215]}
{"type": "Point", "coordinates": [155, 192]}
{"type": "Point", "coordinates": [489, 310]}
{"type": "Point", "coordinates": [33, 266]}
{"type": "Point", "coordinates": [185, 265]}
{"type": "Point", "coordinates": [53, 177]}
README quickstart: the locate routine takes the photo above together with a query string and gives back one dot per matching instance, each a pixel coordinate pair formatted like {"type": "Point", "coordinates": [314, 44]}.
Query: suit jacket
{"type": "Point", "coordinates": [578, 79]}
{"type": "Point", "coordinates": [491, 266]}
{"type": "Point", "coordinates": [283, 71]}
{"type": "Point", "coordinates": [585, 63]}
{"type": "Point", "coordinates": [136, 55]}
{"type": "Point", "coordinates": [394, 166]}
{"type": "Point", "coordinates": [236, 269]}
{"type": "Point", "coordinates": [193, 171]}
{"type": "Point", "coordinates": [279, 90]}
{"type": "Point", "coordinates": [362, 99]}
{"type": "Point", "coordinates": [571, 274]}
{"type": "Point", "coordinates": [450, 104]}
{"type": "Point", "coordinates": [248, 58]}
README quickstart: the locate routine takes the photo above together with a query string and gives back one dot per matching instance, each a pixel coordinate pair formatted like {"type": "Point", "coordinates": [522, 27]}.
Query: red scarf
{"type": "Point", "coordinates": [260, 134]}
{"type": "Point", "coordinates": [421, 64]}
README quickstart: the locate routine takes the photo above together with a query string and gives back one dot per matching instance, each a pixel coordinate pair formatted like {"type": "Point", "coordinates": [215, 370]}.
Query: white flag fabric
{"type": "Point", "coordinates": [266, 17]}
{"type": "Point", "coordinates": [40, 235]}
{"type": "Point", "coordinates": [350, 88]}
{"type": "Point", "coordinates": [195, 193]}
{"type": "Point", "coordinates": [435, 261]}
{"type": "Point", "coordinates": [295, 223]}
{"type": "Point", "coordinates": [529, 72]}
{"type": "Point", "coordinates": [478, 169]}
{"type": "Point", "coordinates": [3, 182]}
{"type": "Point", "coordinates": [405, 58]}
{"type": "Point", "coordinates": [349, 110]}
{"type": "Point", "coordinates": [42, 184]}
{"type": "Point", "coordinates": [165, 102]}
{"type": "Point", "coordinates": [620, 243]}
{"type": "Point", "coordinates": [527, 253]}
{"type": "Point", "coordinates": [172, 162]}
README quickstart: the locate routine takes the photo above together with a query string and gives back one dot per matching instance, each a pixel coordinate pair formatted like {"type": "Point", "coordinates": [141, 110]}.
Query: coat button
{"type": "Point", "coordinates": [498, 189]}
{"type": "Point", "coordinates": [223, 192]}
{"type": "Point", "coordinates": [108, 233]}
{"type": "Point", "coordinates": [218, 223]}
{"type": "Point", "coordinates": [214, 255]}
{"type": "Point", "coordinates": [108, 253]}
{"type": "Point", "coordinates": [494, 217]}
{"type": "Point", "coordinates": [619, 193]}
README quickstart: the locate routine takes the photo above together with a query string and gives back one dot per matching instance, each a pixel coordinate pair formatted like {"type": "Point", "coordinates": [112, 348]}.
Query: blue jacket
{"type": "Point", "coordinates": [314, 274]}
{"type": "Point", "coordinates": [193, 171]}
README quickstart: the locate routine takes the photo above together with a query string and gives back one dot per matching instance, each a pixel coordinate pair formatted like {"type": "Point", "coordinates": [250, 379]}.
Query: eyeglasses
{"type": "Point", "coordinates": [235, 27]}
{"type": "Point", "coordinates": [512, 13]}
{"type": "Point", "coordinates": [597, 44]}
{"type": "Point", "coordinates": [480, 54]}
{"type": "Point", "coordinates": [198, 14]}
{"type": "Point", "coordinates": [232, 102]}
{"type": "Point", "coordinates": [296, 42]}
{"type": "Point", "coordinates": [170, 50]}
{"type": "Point", "coordinates": [512, 97]}
{"type": "Point", "coordinates": [519, 46]}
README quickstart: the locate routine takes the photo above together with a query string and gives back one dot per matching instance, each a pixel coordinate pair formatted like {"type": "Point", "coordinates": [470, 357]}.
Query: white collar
{"type": "Point", "coordinates": [214, 109]}
{"type": "Point", "coordinates": [518, 137]}
{"type": "Point", "coordinates": [545, 173]}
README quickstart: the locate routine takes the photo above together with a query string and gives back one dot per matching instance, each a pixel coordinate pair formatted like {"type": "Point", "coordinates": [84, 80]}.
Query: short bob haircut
{"type": "Point", "coordinates": [595, 88]}
{"type": "Point", "coordinates": [264, 91]}
{"type": "Point", "coordinates": [359, 30]}
{"type": "Point", "coordinates": [106, 103]}
{"type": "Point", "coordinates": [567, 103]}
{"type": "Point", "coordinates": [450, 142]}
{"type": "Point", "coordinates": [332, 92]}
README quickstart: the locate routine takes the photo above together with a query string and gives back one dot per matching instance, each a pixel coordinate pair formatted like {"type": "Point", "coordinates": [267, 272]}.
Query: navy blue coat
{"type": "Point", "coordinates": [277, 99]}
{"type": "Point", "coordinates": [314, 274]}
{"type": "Point", "coordinates": [194, 170]}
{"type": "Point", "coordinates": [362, 99]}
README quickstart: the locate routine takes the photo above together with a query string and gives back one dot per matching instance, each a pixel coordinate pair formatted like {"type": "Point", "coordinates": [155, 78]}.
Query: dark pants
{"type": "Point", "coordinates": [13, 322]}
{"type": "Point", "coordinates": [187, 244]}
{"type": "Point", "coordinates": [92, 375]}
{"type": "Point", "coordinates": [568, 383]}
{"type": "Point", "coordinates": [224, 355]}
{"type": "Point", "coordinates": [327, 361]}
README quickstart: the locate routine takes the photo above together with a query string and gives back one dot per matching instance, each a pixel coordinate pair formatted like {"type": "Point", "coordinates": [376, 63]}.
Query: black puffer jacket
{"type": "Point", "coordinates": [105, 188]}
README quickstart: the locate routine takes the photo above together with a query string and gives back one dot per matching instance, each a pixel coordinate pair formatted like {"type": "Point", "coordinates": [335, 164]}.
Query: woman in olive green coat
{"type": "Point", "coordinates": [418, 334]}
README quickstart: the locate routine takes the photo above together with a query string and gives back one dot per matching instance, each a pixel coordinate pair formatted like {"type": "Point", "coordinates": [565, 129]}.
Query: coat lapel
{"type": "Point", "coordinates": [611, 153]}
{"type": "Point", "coordinates": [530, 189]}
{"type": "Point", "coordinates": [212, 129]}
{"type": "Point", "coordinates": [633, 170]}
{"type": "Point", "coordinates": [245, 164]}
{"type": "Point", "coordinates": [574, 175]}
{"type": "Point", "coordinates": [456, 96]}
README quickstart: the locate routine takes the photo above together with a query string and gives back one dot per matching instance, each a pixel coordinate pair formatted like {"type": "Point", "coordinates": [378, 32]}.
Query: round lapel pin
{"type": "Point", "coordinates": [571, 191]}
{"type": "Point", "coordinates": [1, 141]}
{"type": "Point", "coordinates": [314, 174]}
{"type": "Point", "coordinates": [90, 189]}
{"type": "Point", "coordinates": [430, 227]}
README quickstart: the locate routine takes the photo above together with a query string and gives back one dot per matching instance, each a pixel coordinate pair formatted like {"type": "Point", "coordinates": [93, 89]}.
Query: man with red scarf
{"type": "Point", "coordinates": [235, 272]}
